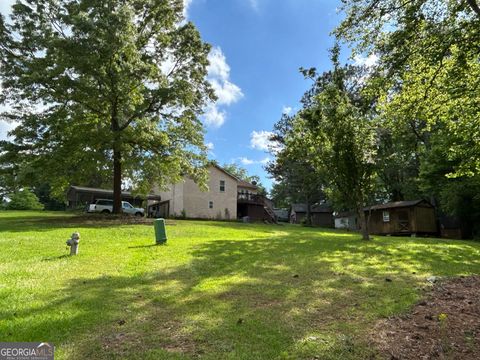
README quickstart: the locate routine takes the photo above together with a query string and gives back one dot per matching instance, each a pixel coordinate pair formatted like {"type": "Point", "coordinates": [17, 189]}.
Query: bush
{"type": "Point", "coordinates": [24, 200]}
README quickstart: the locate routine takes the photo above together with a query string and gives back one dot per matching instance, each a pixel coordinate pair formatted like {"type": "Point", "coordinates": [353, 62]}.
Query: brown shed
{"type": "Point", "coordinates": [322, 215]}
{"type": "Point", "coordinates": [402, 218]}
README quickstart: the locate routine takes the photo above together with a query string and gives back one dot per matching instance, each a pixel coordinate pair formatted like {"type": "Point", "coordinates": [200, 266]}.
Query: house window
{"type": "Point", "coordinates": [222, 185]}
{"type": "Point", "coordinates": [386, 216]}
{"type": "Point", "coordinates": [210, 204]}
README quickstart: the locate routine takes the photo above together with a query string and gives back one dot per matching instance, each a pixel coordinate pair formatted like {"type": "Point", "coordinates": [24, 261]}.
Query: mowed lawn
{"type": "Point", "coordinates": [215, 291]}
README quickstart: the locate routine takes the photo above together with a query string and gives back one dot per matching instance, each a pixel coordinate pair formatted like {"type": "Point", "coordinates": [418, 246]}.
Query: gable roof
{"type": "Point", "coordinates": [240, 182]}
{"type": "Point", "coordinates": [110, 192]}
{"type": "Point", "coordinates": [302, 208]}
{"type": "Point", "coordinates": [397, 204]}
{"type": "Point", "coordinates": [218, 167]}
{"type": "Point", "coordinates": [246, 184]}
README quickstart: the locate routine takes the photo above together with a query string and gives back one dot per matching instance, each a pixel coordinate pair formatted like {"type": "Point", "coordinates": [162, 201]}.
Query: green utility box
{"type": "Point", "coordinates": [160, 231]}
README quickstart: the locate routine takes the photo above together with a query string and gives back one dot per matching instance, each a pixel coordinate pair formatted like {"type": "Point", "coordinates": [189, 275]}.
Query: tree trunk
{"type": "Point", "coordinates": [363, 222]}
{"type": "Point", "coordinates": [474, 6]}
{"type": "Point", "coordinates": [117, 163]}
{"type": "Point", "coordinates": [117, 182]}
{"type": "Point", "coordinates": [308, 220]}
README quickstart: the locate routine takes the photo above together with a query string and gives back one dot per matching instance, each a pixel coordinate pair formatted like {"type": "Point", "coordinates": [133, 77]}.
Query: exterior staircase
{"type": "Point", "coordinates": [269, 215]}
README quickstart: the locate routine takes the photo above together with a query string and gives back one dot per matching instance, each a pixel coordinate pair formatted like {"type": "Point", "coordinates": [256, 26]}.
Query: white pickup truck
{"type": "Point", "coordinates": [105, 206]}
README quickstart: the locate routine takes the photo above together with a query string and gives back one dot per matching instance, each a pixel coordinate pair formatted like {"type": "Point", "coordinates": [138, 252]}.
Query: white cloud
{"type": "Point", "coordinates": [247, 161]}
{"type": "Point", "coordinates": [6, 6]}
{"type": "Point", "coordinates": [5, 128]}
{"type": "Point", "coordinates": [218, 67]}
{"type": "Point", "coordinates": [213, 116]}
{"type": "Point", "coordinates": [368, 61]}
{"type": "Point", "coordinates": [265, 160]}
{"type": "Point", "coordinates": [186, 5]}
{"type": "Point", "coordinates": [227, 92]}
{"type": "Point", "coordinates": [210, 146]}
{"type": "Point", "coordinates": [219, 76]}
{"type": "Point", "coordinates": [287, 110]}
{"type": "Point", "coordinates": [260, 140]}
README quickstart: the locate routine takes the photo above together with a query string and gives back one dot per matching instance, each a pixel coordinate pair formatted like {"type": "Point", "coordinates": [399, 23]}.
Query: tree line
{"type": "Point", "coordinates": [407, 127]}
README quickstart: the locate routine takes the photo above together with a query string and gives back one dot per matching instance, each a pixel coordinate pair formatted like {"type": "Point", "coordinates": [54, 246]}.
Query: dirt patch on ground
{"type": "Point", "coordinates": [446, 325]}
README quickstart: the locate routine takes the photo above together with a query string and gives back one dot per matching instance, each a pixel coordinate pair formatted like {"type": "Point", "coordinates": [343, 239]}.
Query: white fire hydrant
{"type": "Point", "coordinates": [73, 243]}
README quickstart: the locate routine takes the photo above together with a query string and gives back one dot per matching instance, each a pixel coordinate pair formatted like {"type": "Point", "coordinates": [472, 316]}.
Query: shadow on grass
{"type": "Point", "coordinates": [146, 246]}
{"type": "Point", "coordinates": [297, 295]}
{"type": "Point", "coordinates": [55, 258]}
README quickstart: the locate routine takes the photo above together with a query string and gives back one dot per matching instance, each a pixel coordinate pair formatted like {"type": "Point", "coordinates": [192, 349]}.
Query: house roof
{"type": "Point", "coordinates": [246, 184]}
{"type": "Point", "coordinates": [396, 204]}
{"type": "Point", "coordinates": [302, 208]}
{"type": "Point", "coordinates": [240, 182]}
{"type": "Point", "coordinates": [110, 192]}
{"type": "Point", "coordinates": [224, 171]}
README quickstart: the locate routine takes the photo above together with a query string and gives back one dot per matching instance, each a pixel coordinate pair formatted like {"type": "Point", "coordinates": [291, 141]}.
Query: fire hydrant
{"type": "Point", "coordinates": [73, 243]}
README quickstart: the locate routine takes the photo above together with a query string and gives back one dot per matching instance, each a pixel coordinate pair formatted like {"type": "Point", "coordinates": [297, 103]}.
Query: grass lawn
{"type": "Point", "coordinates": [215, 291]}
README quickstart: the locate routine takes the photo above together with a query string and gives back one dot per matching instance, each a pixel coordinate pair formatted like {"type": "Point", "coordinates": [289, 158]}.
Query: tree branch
{"type": "Point", "coordinates": [474, 6]}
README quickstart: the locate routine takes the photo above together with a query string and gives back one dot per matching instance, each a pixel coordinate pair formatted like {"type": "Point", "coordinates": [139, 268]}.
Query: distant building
{"type": "Point", "coordinates": [81, 196]}
{"type": "Point", "coordinates": [322, 215]}
{"type": "Point", "coordinates": [402, 218]}
{"type": "Point", "coordinates": [346, 220]}
{"type": "Point", "coordinates": [227, 198]}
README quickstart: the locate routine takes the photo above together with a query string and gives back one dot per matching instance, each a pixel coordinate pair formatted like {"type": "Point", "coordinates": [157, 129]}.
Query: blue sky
{"type": "Point", "coordinates": [258, 47]}
{"type": "Point", "coordinates": [264, 43]}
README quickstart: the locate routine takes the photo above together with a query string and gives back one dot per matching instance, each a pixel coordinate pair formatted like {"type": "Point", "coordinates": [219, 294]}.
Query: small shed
{"type": "Point", "coordinates": [81, 196]}
{"type": "Point", "coordinates": [346, 220]}
{"type": "Point", "coordinates": [322, 215]}
{"type": "Point", "coordinates": [159, 209]}
{"type": "Point", "coordinates": [415, 217]}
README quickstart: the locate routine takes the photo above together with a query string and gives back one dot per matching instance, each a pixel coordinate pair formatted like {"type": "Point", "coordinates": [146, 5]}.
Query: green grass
{"type": "Point", "coordinates": [215, 291]}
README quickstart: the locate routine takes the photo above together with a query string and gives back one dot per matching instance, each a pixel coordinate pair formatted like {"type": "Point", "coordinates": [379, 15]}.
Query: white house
{"type": "Point", "coordinates": [187, 199]}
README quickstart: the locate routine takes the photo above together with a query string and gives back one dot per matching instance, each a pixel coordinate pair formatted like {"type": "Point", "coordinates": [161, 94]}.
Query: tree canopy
{"type": "Point", "coordinates": [103, 91]}
{"type": "Point", "coordinates": [427, 79]}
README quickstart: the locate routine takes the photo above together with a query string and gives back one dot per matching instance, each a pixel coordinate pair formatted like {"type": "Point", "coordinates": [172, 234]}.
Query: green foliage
{"type": "Point", "coordinates": [103, 90]}
{"type": "Point", "coordinates": [44, 194]}
{"type": "Point", "coordinates": [330, 146]}
{"type": "Point", "coordinates": [24, 200]}
{"type": "Point", "coordinates": [426, 81]}
{"type": "Point", "coordinates": [297, 180]}
{"type": "Point", "coordinates": [280, 195]}
{"type": "Point", "coordinates": [344, 142]}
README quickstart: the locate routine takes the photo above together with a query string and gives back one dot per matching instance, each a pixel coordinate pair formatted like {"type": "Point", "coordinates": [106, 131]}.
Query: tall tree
{"type": "Point", "coordinates": [105, 88]}
{"type": "Point", "coordinates": [293, 170]}
{"type": "Point", "coordinates": [343, 140]}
